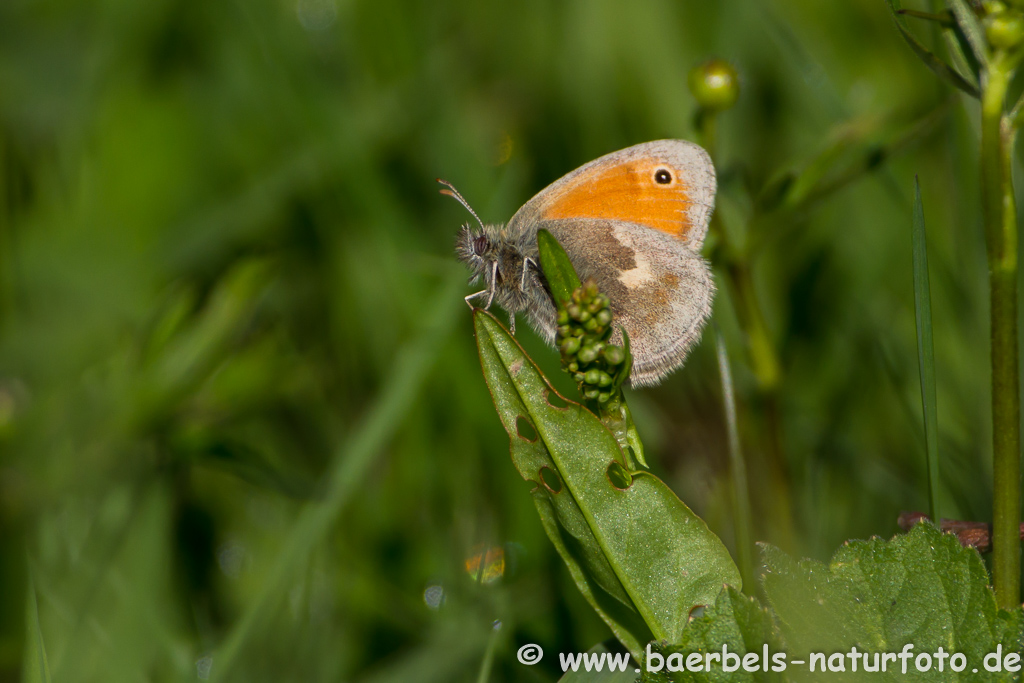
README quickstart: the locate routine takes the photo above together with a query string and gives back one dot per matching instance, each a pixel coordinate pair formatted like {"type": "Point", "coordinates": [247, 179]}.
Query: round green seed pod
{"type": "Point", "coordinates": [588, 354]}
{"type": "Point", "coordinates": [603, 397]}
{"type": "Point", "coordinates": [592, 376]}
{"type": "Point", "coordinates": [591, 394]}
{"type": "Point", "coordinates": [563, 317]}
{"type": "Point", "coordinates": [603, 379]}
{"type": "Point", "coordinates": [614, 355]}
{"type": "Point", "coordinates": [574, 311]}
{"type": "Point", "coordinates": [715, 84]}
{"type": "Point", "coordinates": [1005, 31]}
{"type": "Point", "coordinates": [570, 346]}
{"type": "Point", "coordinates": [603, 317]}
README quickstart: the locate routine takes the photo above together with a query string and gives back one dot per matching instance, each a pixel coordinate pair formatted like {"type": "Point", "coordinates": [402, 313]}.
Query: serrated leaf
{"type": "Point", "coordinates": [922, 588]}
{"type": "Point", "coordinates": [636, 552]}
{"type": "Point", "coordinates": [938, 67]}
{"type": "Point", "coordinates": [558, 269]}
{"type": "Point", "coordinates": [737, 622]}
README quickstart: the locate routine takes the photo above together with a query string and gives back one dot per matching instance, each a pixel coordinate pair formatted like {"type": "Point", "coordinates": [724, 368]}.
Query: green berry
{"type": "Point", "coordinates": [604, 317]}
{"type": "Point", "coordinates": [603, 379]}
{"type": "Point", "coordinates": [592, 376]}
{"type": "Point", "coordinates": [614, 355]}
{"type": "Point", "coordinates": [570, 346]}
{"type": "Point", "coordinates": [1005, 31]}
{"type": "Point", "coordinates": [715, 84]}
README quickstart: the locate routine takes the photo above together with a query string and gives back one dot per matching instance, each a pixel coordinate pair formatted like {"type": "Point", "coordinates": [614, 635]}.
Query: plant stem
{"type": "Point", "coordinates": [999, 213]}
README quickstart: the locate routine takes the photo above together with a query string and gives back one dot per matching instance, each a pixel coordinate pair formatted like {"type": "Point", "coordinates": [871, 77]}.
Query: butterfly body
{"type": "Point", "coordinates": [634, 222]}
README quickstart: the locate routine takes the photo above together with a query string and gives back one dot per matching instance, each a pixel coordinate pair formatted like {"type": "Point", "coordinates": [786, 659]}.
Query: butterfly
{"type": "Point", "coordinates": [633, 221]}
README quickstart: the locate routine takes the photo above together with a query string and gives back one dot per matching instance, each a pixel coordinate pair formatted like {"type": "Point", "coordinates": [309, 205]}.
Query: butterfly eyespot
{"type": "Point", "coordinates": [480, 245]}
{"type": "Point", "coordinates": [662, 177]}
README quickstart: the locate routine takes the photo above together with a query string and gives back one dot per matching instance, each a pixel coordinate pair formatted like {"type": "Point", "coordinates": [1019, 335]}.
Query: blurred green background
{"type": "Point", "coordinates": [243, 431]}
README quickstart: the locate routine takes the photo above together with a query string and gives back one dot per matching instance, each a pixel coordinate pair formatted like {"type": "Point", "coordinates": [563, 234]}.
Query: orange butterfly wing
{"type": "Point", "coordinates": [667, 185]}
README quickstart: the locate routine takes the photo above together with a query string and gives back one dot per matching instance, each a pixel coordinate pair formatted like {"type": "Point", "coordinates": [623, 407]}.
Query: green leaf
{"type": "Point", "coordinates": [926, 349]}
{"type": "Point", "coordinates": [922, 588]}
{"type": "Point", "coordinates": [35, 668]}
{"type": "Point", "coordinates": [558, 269]}
{"type": "Point", "coordinates": [601, 651]}
{"type": "Point", "coordinates": [938, 67]}
{"type": "Point", "coordinates": [736, 622]}
{"type": "Point", "coordinates": [636, 552]}
{"type": "Point", "coordinates": [970, 28]}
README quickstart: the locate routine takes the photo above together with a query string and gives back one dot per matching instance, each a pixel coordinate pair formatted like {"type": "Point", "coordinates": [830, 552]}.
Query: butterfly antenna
{"type": "Point", "coordinates": [452, 192]}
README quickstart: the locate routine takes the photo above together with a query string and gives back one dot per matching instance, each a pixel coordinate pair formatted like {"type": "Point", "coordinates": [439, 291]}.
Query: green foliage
{"type": "Point", "coordinates": [638, 554]}
{"type": "Point", "coordinates": [558, 270]}
{"type": "Point", "coordinates": [584, 328]}
{"type": "Point", "coordinates": [939, 67]}
{"type": "Point", "coordinates": [735, 621]}
{"type": "Point", "coordinates": [218, 233]}
{"type": "Point", "coordinates": [923, 588]}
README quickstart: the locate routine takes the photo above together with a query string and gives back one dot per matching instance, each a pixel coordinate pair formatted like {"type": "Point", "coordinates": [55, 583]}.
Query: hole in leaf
{"type": "Point", "coordinates": [552, 482]}
{"type": "Point", "coordinates": [697, 612]}
{"type": "Point", "coordinates": [525, 429]}
{"type": "Point", "coordinates": [556, 401]}
{"type": "Point", "coordinates": [619, 477]}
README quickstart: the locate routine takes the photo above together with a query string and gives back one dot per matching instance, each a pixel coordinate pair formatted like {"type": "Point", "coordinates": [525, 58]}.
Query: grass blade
{"type": "Point", "coordinates": [926, 350]}
{"type": "Point", "coordinates": [34, 666]}
{"type": "Point", "coordinates": [737, 469]}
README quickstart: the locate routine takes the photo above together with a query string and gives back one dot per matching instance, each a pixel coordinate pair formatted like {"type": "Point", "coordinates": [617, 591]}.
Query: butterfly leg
{"type": "Point", "coordinates": [494, 285]}
{"type": "Point", "coordinates": [527, 262]}
{"type": "Point", "coordinates": [473, 296]}
{"type": "Point", "coordinates": [512, 323]}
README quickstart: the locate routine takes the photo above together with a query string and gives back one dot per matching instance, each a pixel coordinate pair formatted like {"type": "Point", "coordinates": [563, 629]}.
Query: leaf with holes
{"type": "Point", "coordinates": [922, 590]}
{"type": "Point", "coordinates": [639, 555]}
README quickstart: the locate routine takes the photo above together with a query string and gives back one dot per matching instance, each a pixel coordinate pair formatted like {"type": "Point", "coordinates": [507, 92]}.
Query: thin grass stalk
{"type": "Point", "coordinates": [742, 518]}
{"type": "Point", "coordinates": [999, 214]}
{"type": "Point", "coordinates": [487, 665]}
{"type": "Point", "coordinates": [926, 351]}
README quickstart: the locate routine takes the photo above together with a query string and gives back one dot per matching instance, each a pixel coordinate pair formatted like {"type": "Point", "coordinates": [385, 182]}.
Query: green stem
{"type": "Point", "coordinates": [999, 213]}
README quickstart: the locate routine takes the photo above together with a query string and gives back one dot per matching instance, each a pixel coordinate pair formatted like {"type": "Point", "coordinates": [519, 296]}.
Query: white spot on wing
{"type": "Point", "coordinates": [642, 273]}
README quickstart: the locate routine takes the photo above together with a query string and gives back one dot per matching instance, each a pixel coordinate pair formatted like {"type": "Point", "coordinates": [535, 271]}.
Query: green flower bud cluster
{"type": "Point", "coordinates": [584, 327]}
